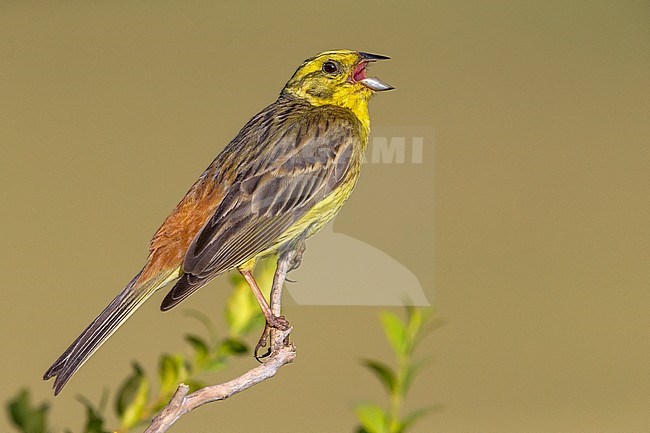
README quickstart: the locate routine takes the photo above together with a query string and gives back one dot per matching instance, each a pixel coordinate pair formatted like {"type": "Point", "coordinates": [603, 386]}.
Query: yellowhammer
{"type": "Point", "coordinates": [286, 173]}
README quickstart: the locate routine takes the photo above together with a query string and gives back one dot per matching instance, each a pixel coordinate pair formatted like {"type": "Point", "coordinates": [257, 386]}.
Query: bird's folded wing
{"type": "Point", "coordinates": [295, 170]}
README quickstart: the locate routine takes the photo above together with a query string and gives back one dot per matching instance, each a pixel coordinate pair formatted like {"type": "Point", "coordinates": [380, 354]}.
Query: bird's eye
{"type": "Point", "coordinates": [330, 67]}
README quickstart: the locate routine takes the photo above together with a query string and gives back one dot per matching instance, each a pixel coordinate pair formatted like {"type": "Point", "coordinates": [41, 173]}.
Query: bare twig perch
{"type": "Point", "coordinates": [281, 353]}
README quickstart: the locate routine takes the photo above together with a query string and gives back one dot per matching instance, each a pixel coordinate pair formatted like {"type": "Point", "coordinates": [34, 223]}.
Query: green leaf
{"type": "Point", "coordinates": [215, 364]}
{"type": "Point", "coordinates": [128, 390]}
{"type": "Point", "coordinates": [415, 321]}
{"type": "Point", "coordinates": [194, 385]}
{"type": "Point", "coordinates": [412, 371]}
{"type": "Point", "coordinates": [383, 372]}
{"type": "Point", "coordinates": [429, 323]}
{"type": "Point", "coordinates": [25, 416]}
{"type": "Point", "coordinates": [134, 411]}
{"type": "Point", "coordinates": [232, 346]}
{"type": "Point", "coordinates": [201, 349]}
{"type": "Point", "coordinates": [372, 418]}
{"type": "Point", "coordinates": [416, 415]}
{"type": "Point", "coordinates": [241, 308]}
{"type": "Point", "coordinates": [166, 374]}
{"type": "Point", "coordinates": [94, 419]}
{"type": "Point", "coordinates": [395, 332]}
{"type": "Point", "coordinates": [171, 371]}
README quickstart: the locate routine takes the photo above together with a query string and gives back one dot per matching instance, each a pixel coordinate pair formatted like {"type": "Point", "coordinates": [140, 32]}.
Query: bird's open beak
{"type": "Point", "coordinates": [359, 73]}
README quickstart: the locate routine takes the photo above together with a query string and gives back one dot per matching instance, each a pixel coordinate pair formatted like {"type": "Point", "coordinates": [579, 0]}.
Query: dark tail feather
{"type": "Point", "coordinates": [184, 287]}
{"type": "Point", "coordinates": [113, 316]}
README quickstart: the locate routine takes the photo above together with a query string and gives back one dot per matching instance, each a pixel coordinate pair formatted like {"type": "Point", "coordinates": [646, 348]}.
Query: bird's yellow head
{"type": "Point", "coordinates": [337, 78]}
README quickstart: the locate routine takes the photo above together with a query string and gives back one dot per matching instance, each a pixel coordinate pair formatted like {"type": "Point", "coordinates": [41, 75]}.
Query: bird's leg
{"type": "Point", "coordinates": [273, 321]}
{"type": "Point", "coordinates": [289, 259]}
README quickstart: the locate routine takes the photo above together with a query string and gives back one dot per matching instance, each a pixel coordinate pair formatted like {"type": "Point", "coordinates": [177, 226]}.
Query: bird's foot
{"type": "Point", "coordinates": [278, 322]}
{"type": "Point", "coordinates": [274, 322]}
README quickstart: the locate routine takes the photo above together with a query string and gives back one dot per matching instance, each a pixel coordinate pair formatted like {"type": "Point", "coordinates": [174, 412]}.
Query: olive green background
{"type": "Point", "coordinates": [526, 223]}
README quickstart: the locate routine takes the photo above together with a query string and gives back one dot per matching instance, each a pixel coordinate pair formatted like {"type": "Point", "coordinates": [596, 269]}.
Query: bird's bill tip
{"type": "Point", "coordinates": [368, 57]}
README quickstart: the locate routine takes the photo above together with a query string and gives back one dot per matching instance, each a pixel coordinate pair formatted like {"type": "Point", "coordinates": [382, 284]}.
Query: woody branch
{"type": "Point", "coordinates": [281, 353]}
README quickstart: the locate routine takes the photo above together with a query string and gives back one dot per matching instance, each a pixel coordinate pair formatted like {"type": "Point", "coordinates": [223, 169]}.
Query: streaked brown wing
{"type": "Point", "coordinates": [297, 165]}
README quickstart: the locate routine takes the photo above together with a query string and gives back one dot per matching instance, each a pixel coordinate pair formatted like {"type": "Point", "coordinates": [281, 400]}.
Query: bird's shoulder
{"type": "Point", "coordinates": [289, 129]}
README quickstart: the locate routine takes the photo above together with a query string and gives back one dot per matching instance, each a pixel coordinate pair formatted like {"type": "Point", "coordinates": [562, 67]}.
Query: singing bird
{"type": "Point", "coordinates": [283, 177]}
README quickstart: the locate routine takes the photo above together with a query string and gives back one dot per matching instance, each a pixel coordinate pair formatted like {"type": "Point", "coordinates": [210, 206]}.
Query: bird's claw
{"type": "Point", "coordinates": [262, 343]}
{"type": "Point", "coordinates": [275, 322]}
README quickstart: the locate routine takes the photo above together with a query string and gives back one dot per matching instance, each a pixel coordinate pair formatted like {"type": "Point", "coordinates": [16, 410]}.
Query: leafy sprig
{"type": "Point", "coordinates": [135, 401]}
{"type": "Point", "coordinates": [403, 337]}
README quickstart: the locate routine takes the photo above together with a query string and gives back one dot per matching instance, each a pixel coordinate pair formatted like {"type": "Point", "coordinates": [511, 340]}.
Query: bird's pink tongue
{"type": "Point", "coordinates": [359, 72]}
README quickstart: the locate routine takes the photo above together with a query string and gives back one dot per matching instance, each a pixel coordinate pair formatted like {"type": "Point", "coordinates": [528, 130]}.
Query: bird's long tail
{"type": "Point", "coordinates": [113, 316]}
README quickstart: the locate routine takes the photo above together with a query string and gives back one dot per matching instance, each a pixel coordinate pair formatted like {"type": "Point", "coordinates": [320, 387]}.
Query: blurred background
{"type": "Point", "coordinates": [524, 222]}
